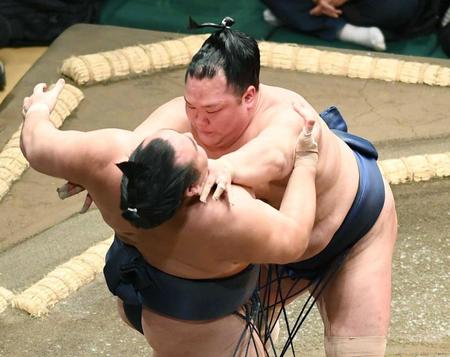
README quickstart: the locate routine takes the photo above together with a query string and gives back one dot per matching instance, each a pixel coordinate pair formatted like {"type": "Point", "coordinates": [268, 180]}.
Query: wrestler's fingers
{"type": "Point", "coordinates": [299, 109]}
{"type": "Point", "coordinates": [59, 86]}
{"type": "Point", "coordinates": [69, 189]}
{"type": "Point", "coordinates": [206, 189]}
{"type": "Point", "coordinates": [87, 203]}
{"type": "Point", "coordinates": [220, 189]}
{"type": "Point", "coordinates": [25, 106]}
{"type": "Point", "coordinates": [305, 112]}
{"type": "Point", "coordinates": [308, 127]}
{"type": "Point", "coordinates": [26, 102]}
{"type": "Point", "coordinates": [229, 194]}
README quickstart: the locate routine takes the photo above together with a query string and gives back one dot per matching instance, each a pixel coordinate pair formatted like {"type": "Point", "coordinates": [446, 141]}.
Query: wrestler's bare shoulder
{"type": "Point", "coordinates": [177, 102]}
{"type": "Point", "coordinates": [279, 96]}
{"type": "Point", "coordinates": [177, 106]}
{"type": "Point", "coordinates": [276, 104]}
{"type": "Point", "coordinates": [202, 215]}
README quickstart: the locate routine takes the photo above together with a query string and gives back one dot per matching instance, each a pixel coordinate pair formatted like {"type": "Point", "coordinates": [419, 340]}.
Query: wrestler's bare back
{"type": "Point", "coordinates": [187, 245]}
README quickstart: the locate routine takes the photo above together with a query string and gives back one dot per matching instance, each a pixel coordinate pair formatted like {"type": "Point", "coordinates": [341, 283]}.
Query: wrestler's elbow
{"type": "Point", "coordinates": [279, 165]}
{"type": "Point", "coordinates": [30, 140]}
{"type": "Point", "coordinates": [24, 146]}
{"type": "Point", "coordinates": [34, 157]}
{"type": "Point", "coordinates": [34, 150]}
{"type": "Point", "coordinates": [28, 148]}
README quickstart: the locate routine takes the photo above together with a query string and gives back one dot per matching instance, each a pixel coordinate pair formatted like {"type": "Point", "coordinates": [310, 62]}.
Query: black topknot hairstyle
{"type": "Point", "coordinates": [234, 52]}
{"type": "Point", "coordinates": [153, 186]}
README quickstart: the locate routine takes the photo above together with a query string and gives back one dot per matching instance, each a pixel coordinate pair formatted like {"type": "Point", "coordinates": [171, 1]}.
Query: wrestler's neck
{"type": "Point", "coordinates": [190, 205]}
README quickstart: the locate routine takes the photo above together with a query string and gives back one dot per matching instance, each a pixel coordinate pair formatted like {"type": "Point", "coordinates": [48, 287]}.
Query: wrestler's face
{"type": "Point", "coordinates": [217, 114]}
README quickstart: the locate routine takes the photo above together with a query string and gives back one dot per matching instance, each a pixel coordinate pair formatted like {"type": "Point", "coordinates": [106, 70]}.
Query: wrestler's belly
{"type": "Point", "coordinates": [332, 207]}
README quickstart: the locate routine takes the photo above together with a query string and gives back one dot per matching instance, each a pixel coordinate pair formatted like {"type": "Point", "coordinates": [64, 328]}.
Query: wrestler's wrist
{"type": "Point", "coordinates": [306, 168]}
{"type": "Point", "coordinates": [306, 159]}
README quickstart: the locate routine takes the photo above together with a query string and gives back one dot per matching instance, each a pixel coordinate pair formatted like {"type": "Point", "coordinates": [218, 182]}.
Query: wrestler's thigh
{"type": "Point", "coordinates": [219, 337]}
{"type": "Point", "coordinates": [357, 300]}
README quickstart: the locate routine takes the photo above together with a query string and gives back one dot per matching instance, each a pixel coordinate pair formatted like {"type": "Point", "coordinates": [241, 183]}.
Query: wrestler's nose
{"type": "Point", "coordinates": [201, 119]}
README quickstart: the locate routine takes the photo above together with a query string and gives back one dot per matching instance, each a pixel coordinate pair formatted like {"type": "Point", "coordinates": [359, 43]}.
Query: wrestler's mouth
{"type": "Point", "coordinates": [202, 132]}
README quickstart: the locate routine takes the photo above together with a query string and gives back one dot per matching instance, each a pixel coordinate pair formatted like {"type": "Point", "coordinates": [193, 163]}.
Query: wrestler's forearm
{"type": "Point", "coordinates": [299, 200]}
{"type": "Point", "coordinates": [268, 156]}
{"type": "Point", "coordinates": [291, 231]}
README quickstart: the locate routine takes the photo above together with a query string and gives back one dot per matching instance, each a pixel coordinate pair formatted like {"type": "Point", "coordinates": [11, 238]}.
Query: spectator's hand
{"type": "Point", "coordinates": [307, 150]}
{"type": "Point", "coordinates": [71, 189]}
{"type": "Point", "coordinates": [327, 8]}
{"type": "Point", "coordinates": [43, 98]}
{"type": "Point", "coordinates": [220, 173]}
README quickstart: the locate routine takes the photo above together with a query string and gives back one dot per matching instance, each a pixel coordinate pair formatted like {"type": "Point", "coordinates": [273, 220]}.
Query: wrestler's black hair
{"type": "Point", "coordinates": [236, 53]}
{"type": "Point", "coordinates": [153, 186]}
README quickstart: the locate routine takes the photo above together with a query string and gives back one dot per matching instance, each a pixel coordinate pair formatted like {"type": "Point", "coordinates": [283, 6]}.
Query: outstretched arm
{"type": "Point", "coordinates": [72, 155]}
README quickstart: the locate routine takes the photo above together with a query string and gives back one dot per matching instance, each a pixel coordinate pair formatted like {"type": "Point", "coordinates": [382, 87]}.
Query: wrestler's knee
{"type": "Point", "coordinates": [367, 346]}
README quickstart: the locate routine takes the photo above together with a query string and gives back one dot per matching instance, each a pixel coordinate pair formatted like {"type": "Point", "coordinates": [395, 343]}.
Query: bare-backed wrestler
{"type": "Point", "coordinates": [187, 272]}
{"type": "Point", "coordinates": [250, 129]}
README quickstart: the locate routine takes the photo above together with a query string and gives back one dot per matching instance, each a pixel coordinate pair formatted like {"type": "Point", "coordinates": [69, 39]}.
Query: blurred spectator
{"type": "Point", "coordinates": [39, 22]}
{"type": "Point", "coordinates": [444, 31]}
{"type": "Point", "coordinates": [364, 22]}
{"type": "Point", "coordinates": [2, 76]}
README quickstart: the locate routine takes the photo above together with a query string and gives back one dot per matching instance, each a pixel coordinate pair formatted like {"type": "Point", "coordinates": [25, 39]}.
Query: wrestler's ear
{"type": "Point", "coordinates": [193, 190]}
{"type": "Point", "coordinates": [249, 96]}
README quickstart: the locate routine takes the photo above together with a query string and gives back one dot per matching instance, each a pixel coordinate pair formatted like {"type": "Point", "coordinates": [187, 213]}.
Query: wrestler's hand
{"type": "Point", "coordinates": [220, 173]}
{"type": "Point", "coordinates": [71, 189]}
{"type": "Point", "coordinates": [326, 7]}
{"type": "Point", "coordinates": [41, 98]}
{"type": "Point", "coordinates": [306, 149]}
